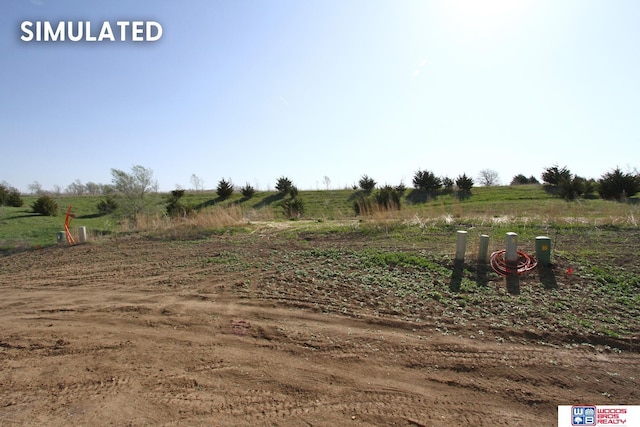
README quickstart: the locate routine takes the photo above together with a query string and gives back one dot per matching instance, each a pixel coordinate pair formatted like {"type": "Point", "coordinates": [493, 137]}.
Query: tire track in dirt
{"type": "Point", "coordinates": [144, 332]}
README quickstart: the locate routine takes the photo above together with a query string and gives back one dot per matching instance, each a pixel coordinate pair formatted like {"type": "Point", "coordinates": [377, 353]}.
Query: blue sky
{"type": "Point", "coordinates": [253, 90]}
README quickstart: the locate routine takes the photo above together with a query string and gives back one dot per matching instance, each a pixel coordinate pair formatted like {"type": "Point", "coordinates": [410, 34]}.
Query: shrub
{"type": "Point", "coordinates": [447, 183]}
{"type": "Point", "coordinates": [618, 185]}
{"type": "Point", "coordinates": [388, 198]}
{"type": "Point", "coordinates": [225, 189]}
{"type": "Point", "coordinates": [175, 208]}
{"type": "Point", "coordinates": [4, 194]}
{"type": "Point", "coordinates": [247, 191]}
{"type": "Point", "coordinates": [283, 185]}
{"type": "Point", "coordinates": [426, 181]}
{"type": "Point", "coordinates": [10, 196]}
{"type": "Point", "coordinates": [107, 205]}
{"type": "Point", "coordinates": [555, 175]}
{"type": "Point", "coordinates": [464, 183]}
{"type": "Point", "coordinates": [367, 183]}
{"type": "Point", "coordinates": [293, 207]}
{"type": "Point", "coordinates": [45, 205]}
{"type": "Point", "coordinates": [572, 189]}
{"type": "Point", "coordinates": [519, 180]}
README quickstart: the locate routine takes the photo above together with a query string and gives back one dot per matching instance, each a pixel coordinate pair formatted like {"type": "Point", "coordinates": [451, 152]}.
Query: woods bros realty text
{"type": "Point", "coordinates": [45, 31]}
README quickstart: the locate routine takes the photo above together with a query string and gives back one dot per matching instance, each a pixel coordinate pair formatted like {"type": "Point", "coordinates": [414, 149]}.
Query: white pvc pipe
{"type": "Point", "coordinates": [511, 248]}
{"type": "Point", "coordinates": [461, 244]}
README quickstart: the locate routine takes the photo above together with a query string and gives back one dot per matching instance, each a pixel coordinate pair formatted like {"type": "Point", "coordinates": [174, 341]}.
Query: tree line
{"type": "Point", "coordinates": [132, 193]}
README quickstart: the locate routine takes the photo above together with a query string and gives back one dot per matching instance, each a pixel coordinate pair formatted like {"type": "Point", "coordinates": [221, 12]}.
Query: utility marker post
{"type": "Point", "coordinates": [461, 244]}
{"type": "Point", "coordinates": [511, 261]}
{"type": "Point", "coordinates": [483, 249]}
{"type": "Point", "coordinates": [543, 250]}
{"type": "Point", "coordinates": [511, 248]}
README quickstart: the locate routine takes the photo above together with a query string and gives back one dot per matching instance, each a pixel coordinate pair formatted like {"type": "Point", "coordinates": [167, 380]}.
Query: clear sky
{"type": "Point", "coordinates": [253, 90]}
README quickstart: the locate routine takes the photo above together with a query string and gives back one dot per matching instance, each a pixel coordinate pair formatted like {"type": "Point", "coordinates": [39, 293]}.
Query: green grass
{"type": "Point", "coordinates": [527, 209]}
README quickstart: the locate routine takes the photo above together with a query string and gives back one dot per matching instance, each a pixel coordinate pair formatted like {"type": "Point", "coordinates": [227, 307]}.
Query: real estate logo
{"type": "Point", "coordinates": [583, 415]}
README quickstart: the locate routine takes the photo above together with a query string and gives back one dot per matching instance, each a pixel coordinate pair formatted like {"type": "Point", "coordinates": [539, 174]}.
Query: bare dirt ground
{"type": "Point", "coordinates": [135, 332]}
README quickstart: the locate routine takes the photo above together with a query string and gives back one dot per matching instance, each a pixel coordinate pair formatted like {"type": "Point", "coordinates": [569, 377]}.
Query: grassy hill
{"type": "Point", "coordinates": [487, 206]}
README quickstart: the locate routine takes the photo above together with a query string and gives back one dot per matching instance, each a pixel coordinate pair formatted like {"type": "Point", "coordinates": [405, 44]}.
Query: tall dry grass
{"type": "Point", "coordinates": [210, 219]}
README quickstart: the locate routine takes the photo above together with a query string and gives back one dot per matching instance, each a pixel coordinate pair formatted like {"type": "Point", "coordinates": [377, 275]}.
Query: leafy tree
{"type": "Point", "coordinates": [77, 188]}
{"type": "Point", "coordinates": [197, 182]}
{"type": "Point", "coordinates": [367, 183]}
{"type": "Point", "coordinates": [134, 190]}
{"type": "Point", "coordinates": [247, 191]}
{"type": "Point", "coordinates": [327, 182]}
{"type": "Point", "coordinates": [618, 185]}
{"type": "Point", "coordinates": [92, 188]}
{"type": "Point", "coordinates": [35, 188]}
{"type": "Point", "coordinates": [464, 183]}
{"type": "Point", "coordinates": [45, 205]}
{"type": "Point", "coordinates": [533, 180]}
{"type": "Point", "coordinates": [283, 185]}
{"type": "Point", "coordinates": [293, 192]}
{"type": "Point", "coordinates": [488, 177]}
{"type": "Point", "coordinates": [225, 189]}
{"type": "Point", "coordinates": [555, 175]}
{"type": "Point", "coordinates": [426, 181]}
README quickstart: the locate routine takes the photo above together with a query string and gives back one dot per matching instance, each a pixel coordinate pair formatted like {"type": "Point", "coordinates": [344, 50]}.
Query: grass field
{"type": "Point", "coordinates": [527, 209]}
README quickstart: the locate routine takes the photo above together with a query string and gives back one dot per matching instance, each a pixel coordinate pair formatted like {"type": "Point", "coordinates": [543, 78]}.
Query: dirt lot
{"type": "Point", "coordinates": [139, 331]}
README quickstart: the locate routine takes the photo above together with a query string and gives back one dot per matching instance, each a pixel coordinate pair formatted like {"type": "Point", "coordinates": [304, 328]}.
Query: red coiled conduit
{"type": "Point", "coordinates": [526, 262]}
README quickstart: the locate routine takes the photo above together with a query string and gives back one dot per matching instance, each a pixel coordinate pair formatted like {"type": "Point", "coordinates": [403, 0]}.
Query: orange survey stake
{"type": "Point", "coordinates": [67, 221]}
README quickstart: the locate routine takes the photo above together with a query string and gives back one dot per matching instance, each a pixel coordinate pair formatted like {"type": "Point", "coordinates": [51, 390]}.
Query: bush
{"type": "Point", "coordinates": [175, 208]}
{"type": "Point", "coordinates": [45, 205]}
{"type": "Point", "coordinates": [447, 183]}
{"type": "Point", "coordinates": [555, 176]}
{"type": "Point", "coordinates": [618, 185]}
{"type": "Point", "coordinates": [225, 189]}
{"type": "Point", "coordinates": [247, 191]}
{"type": "Point", "coordinates": [572, 189]}
{"type": "Point", "coordinates": [4, 194]}
{"type": "Point", "coordinates": [10, 196]}
{"type": "Point", "coordinates": [293, 208]}
{"type": "Point", "coordinates": [293, 192]}
{"type": "Point", "coordinates": [283, 185]}
{"type": "Point", "coordinates": [367, 183]}
{"type": "Point", "coordinates": [520, 179]}
{"type": "Point", "coordinates": [426, 181]}
{"type": "Point", "coordinates": [388, 198]}
{"type": "Point", "coordinates": [107, 205]}
{"type": "Point", "coordinates": [464, 183]}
